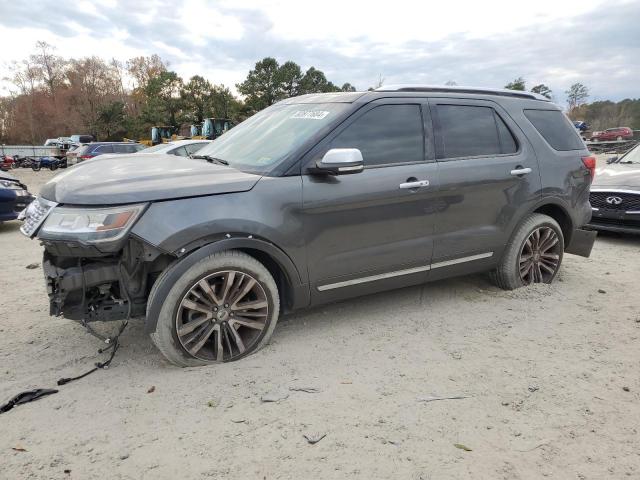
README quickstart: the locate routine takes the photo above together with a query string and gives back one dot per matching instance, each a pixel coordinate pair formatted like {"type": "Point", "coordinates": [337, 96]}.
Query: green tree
{"type": "Point", "coordinates": [197, 97]}
{"type": "Point", "coordinates": [542, 89]}
{"type": "Point", "coordinates": [517, 84]}
{"type": "Point", "coordinates": [576, 95]}
{"type": "Point", "coordinates": [262, 86]}
{"type": "Point", "coordinates": [315, 81]}
{"type": "Point", "coordinates": [288, 78]}
{"type": "Point", "coordinates": [163, 99]}
{"type": "Point", "coordinates": [347, 87]}
{"type": "Point", "coordinates": [224, 104]}
{"type": "Point", "coordinates": [111, 120]}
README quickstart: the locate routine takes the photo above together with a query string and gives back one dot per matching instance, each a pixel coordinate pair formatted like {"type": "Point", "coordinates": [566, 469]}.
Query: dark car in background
{"type": "Point", "coordinates": [615, 194]}
{"type": "Point", "coordinates": [14, 197]}
{"type": "Point", "coordinates": [94, 149]}
{"type": "Point", "coordinates": [315, 199]}
{"type": "Point", "coordinates": [610, 134]}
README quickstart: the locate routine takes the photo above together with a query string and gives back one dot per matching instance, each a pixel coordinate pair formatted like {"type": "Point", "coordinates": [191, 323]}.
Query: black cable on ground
{"type": "Point", "coordinates": [31, 395]}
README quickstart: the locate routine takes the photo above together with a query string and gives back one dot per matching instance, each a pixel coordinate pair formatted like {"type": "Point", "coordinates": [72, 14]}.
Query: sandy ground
{"type": "Point", "coordinates": [551, 374]}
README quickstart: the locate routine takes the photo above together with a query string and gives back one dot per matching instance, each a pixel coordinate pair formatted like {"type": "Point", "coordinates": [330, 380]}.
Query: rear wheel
{"type": "Point", "coordinates": [221, 309]}
{"type": "Point", "coordinates": [533, 255]}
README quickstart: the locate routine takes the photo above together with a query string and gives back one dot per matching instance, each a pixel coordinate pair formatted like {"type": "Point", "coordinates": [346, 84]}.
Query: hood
{"type": "Point", "coordinates": [618, 175]}
{"type": "Point", "coordinates": [134, 178]}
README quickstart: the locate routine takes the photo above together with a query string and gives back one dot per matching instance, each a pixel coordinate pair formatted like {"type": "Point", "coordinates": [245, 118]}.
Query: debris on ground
{"type": "Point", "coordinates": [435, 398]}
{"type": "Point", "coordinates": [626, 389]}
{"type": "Point", "coordinates": [462, 447]}
{"type": "Point", "coordinates": [213, 403]}
{"type": "Point", "coordinates": [152, 389]}
{"type": "Point", "coordinates": [314, 438]}
{"type": "Point", "coordinates": [19, 448]}
{"type": "Point", "coordinates": [601, 291]}
{"type": "Point", "coordinates": [32, 266]}
{"type": "Point", "coordinates": [305, 389]}
{"type": "Point", "coordinates": [533, 388]}
{"type": "Point", "coordinates": [275, 396]}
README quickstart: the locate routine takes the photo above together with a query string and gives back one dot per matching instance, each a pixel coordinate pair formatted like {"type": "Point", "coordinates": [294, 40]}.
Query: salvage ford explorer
{"type": "Point", "coordinates": [315, 199]}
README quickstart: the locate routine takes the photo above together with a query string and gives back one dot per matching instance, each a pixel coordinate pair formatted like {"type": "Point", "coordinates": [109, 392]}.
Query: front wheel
{"type": "Point", "coordinates": [533, 255]}
{"type": "Point", "coordinates": [220, 309]}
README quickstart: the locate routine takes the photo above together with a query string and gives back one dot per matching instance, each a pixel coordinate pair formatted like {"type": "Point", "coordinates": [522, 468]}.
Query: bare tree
{"type": "Point", "coordinates": [50, 67]}
{"type": "Point", "coordinates": [576, 95]}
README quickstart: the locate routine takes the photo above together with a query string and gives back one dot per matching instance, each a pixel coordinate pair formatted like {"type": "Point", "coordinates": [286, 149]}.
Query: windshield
{"type": "Point", "coordinates": [266, 138]}
{"type": "Point", "coordinates": [632, 156]}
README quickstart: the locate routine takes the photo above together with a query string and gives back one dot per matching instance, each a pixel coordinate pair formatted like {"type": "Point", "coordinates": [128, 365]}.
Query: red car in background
{"type": "Point", "coordinates": [618, 133]}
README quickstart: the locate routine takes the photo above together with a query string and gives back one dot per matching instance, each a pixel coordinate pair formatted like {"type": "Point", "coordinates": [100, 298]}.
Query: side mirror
{"type": "Point", "coordinates": [341, 161]}
{"type": "Point", "coordinates": [612, 160]}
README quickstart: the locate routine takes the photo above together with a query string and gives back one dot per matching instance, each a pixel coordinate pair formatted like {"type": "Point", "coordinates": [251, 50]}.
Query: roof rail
{"type": "Point", "coordinates": [458, 89]}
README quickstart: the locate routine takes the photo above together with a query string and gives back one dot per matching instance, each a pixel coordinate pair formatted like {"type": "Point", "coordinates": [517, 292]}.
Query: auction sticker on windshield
{"type": "Point", "coordinates": [310, 114]}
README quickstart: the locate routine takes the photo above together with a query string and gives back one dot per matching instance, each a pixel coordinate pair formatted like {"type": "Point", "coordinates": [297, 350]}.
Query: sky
{"type": "Point", "coordinates": [479, 43]}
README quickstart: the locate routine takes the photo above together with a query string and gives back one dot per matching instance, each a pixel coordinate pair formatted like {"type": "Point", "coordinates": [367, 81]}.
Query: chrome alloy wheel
{"type": "Point", "coordinates": [540, 256]}
{"type": "Point", "coordinates": [222, 316]}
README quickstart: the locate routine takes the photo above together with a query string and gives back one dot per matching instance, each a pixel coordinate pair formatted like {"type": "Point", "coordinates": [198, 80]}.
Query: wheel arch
{"type": "Point", "coordinates": [560, 214]}
{"type": "Point", "coordinates": [294, 293]}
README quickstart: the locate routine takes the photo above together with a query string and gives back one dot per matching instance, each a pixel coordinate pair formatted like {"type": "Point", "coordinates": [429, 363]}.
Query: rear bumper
{"type": "Point", "coordinates": [581, 242]}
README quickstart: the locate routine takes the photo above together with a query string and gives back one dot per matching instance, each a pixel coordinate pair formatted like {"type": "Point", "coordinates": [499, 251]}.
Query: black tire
{"type": "Point", "coordinates": [36, 167]}
{"type": "Point", "coordinates": [171, 316]}
{"type": "Point", "coordinates": [508, 274]}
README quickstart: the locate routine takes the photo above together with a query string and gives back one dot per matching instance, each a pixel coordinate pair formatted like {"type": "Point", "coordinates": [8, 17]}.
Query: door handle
{"type": "Point", "coordinates": [516, 172]}
{"type": "Point", "coordinates": [416, 184]}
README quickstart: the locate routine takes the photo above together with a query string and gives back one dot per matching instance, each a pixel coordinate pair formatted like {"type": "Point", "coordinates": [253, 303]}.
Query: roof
{"type": "Point", "coordinates": [460, 89]}
{"type": "Point", "coordinates": [332, 97]}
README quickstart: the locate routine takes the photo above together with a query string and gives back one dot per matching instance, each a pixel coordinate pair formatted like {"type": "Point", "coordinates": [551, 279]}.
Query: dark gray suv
{"type": "Point", "coordinates": [315, 199]}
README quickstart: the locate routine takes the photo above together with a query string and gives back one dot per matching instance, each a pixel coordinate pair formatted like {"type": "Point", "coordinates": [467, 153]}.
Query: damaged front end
{"type": "Point", "coordinates": [92, 288]}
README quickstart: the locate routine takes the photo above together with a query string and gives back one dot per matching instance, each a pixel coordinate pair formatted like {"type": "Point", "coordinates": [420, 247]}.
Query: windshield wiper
{"type": "Point", "coordinates": [211, 159]}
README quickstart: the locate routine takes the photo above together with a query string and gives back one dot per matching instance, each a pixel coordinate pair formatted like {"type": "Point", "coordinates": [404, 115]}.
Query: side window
{"type": "Point", "coordinates": [194, 147]}
{"type": "Point", "coordinates": [121, 148]}
{"type": "Point", "coordinates": [104, 149]}
{"type": "Point", "coordinates": [180, 152]}
{"type": "Point", "coordinates": [556, 129]}
{"type": "Point", "coordinates": [471, 131]}
{"type": "Point", "coordinates": [130, 148]}
{"type": "Point", "coordinates": [385, 135]}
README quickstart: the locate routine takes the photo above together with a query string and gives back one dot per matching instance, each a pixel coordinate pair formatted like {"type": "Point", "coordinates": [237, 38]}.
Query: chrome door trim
{"type": "Point", "coordinates": [373, 278]}
{"type": "Point", "coordinates": [406, 271]}
{"type": "Point", "coordinates": [455, 261]}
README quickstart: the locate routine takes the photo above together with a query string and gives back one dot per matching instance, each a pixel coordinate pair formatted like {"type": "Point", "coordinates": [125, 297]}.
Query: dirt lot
{"type": "Point", "coordinates": [551, 376]}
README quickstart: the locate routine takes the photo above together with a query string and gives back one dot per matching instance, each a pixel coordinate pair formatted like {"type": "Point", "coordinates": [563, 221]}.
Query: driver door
{"type": "Point", "coordinates": [373, 230]}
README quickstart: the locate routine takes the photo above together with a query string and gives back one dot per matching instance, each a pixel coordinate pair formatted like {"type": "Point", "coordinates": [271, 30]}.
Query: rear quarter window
{"type": "Point", "coordinates": [555, 128]}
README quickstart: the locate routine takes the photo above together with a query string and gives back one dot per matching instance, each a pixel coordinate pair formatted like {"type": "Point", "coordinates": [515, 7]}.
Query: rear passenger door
{"type": "Point", "coordinates": [488, 177]}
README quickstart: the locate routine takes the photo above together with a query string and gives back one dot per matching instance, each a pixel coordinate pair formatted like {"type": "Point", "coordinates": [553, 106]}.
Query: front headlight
{"type": "Point", "coordinates": [90, 225]}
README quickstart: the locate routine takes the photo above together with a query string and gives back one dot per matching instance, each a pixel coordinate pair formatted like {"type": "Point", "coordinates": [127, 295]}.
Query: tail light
{"type": "Point", "coordinates": [87, 157]}
{"type": "Point", "coordinates": [590, 163]}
